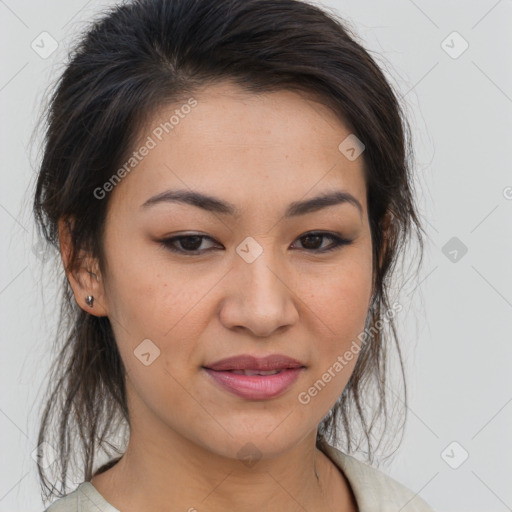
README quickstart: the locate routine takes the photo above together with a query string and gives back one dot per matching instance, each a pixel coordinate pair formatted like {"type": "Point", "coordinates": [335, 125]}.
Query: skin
{"type": "Point", "coordinates": [261, 153]}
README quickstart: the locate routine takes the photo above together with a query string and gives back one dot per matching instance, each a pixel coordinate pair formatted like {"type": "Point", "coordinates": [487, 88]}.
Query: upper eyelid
{"type": "Point", "coordinates": [336, 237]}
{"type": "Point", "coordinates": [307, 233]}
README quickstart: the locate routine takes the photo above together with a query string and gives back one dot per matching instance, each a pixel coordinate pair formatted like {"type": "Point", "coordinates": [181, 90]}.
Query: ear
{"type": "Point", "coordinates": [86, 280]}
{"type": "Point", "coordinates": [386, 225]}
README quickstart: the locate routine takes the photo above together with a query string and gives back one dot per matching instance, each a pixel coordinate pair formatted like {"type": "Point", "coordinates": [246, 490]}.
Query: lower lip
{"type": "Point", "coordinates": [255, 387]}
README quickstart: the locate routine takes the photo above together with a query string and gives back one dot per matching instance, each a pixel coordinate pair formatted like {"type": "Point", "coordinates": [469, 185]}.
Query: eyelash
{"type": "Point", "coordinates": [338, 243]}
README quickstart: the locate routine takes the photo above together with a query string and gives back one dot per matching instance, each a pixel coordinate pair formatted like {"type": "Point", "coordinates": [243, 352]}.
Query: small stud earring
{"type": "Point", "coordinates": [89, 300]}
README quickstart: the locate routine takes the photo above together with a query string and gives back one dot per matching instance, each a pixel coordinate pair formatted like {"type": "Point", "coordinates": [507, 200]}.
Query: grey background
{"type": "Point", "coordinates": [455, 326]}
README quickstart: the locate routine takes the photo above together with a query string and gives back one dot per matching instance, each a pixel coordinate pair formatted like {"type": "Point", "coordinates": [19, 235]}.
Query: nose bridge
{"type": "Point", "coordinates": [258, 266]}
{"type": "Point", "coordinates": [258, 298]}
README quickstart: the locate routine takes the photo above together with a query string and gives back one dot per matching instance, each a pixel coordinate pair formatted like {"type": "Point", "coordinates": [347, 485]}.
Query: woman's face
{"type": "Point", "coordinates": [255, 285]}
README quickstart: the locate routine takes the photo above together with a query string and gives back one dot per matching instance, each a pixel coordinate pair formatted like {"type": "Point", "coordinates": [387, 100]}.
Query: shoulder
{"type": "Point", "coordinates": [373, 489]}
{"type": "Point", "coordinates": [85, 498]}
{"type": "Point", "coordinates": [68, 503]}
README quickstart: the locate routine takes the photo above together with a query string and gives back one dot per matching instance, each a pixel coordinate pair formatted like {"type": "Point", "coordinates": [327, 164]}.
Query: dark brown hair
{"type": "Point", "coordinates": [145, 54]}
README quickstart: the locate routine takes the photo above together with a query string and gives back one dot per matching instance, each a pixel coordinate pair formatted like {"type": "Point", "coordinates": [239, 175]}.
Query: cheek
{"type": "Point", "coordinates": [339, 307]}
{"type": "Point", "coordinates": [169, 311]}
{"type": "Point", "coordinates": [340, 298]}
{"type": "Point", "coordinates": [141, 297]}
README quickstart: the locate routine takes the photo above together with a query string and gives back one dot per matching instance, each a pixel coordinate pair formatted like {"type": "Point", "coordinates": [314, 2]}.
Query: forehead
{"type": "Point", "coordinates": [250, 148]}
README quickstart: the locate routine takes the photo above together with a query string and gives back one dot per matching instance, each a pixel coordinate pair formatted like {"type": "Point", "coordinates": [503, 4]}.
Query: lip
{"type": "Point", "coordinates": [248, 362]}
{"type": "Point", "coordinates": [255, 387]}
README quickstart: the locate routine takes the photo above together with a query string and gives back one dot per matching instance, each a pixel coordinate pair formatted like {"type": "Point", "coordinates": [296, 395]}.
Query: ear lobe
{"type": "Point", "coordinates": [85, 280]}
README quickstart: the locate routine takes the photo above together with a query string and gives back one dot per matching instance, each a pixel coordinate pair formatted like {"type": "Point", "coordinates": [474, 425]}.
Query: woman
{"type": "Point", "coordinates": [228, 184]}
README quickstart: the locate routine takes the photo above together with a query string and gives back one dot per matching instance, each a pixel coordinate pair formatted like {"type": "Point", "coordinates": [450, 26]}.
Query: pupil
{"type": "Point", "coordinates": [191, 243]}
{"type": "Point", "coordinates": [315, 238]}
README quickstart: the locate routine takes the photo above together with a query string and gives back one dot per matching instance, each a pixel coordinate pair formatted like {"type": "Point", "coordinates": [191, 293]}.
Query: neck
{"type": "Point", "coordinates": [161, 470]}
{"type": "Point", "coordinates": [184, 477]}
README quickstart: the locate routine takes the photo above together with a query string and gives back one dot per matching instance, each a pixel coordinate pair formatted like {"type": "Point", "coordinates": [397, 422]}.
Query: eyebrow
{"type": "Point", "coordinates": [216, 205]}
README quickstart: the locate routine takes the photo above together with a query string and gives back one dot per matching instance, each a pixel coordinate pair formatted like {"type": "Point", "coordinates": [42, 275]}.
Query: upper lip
{"type": "Point", "coordinates": [248, 362]}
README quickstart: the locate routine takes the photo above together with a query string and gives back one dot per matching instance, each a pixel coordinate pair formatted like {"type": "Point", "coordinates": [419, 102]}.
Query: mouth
{"type": "Point", "coordinates": [256, 372]}
{"type": "Point", "coordinates": [254, 378]}
{"type": "Point", "coordinates": [246, 362]}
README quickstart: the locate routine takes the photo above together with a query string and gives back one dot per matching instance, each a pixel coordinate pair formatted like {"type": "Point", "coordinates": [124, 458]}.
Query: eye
{"type": "Point", "coordinates": [189, 244]}
{"type": "Point", "coordinates": [312, 242]}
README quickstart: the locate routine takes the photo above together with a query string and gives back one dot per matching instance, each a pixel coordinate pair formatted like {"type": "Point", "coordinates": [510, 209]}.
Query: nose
{"type": "Point", "coordinates": [259, 297]}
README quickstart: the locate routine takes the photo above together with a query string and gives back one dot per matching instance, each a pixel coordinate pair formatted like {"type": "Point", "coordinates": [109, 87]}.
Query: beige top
{"type": "Point", "coordinates": [374, 490]}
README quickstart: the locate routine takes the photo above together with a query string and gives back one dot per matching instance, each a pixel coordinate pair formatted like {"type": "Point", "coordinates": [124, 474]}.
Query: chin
{"type": "Point", "coordinates": [252, 440]}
